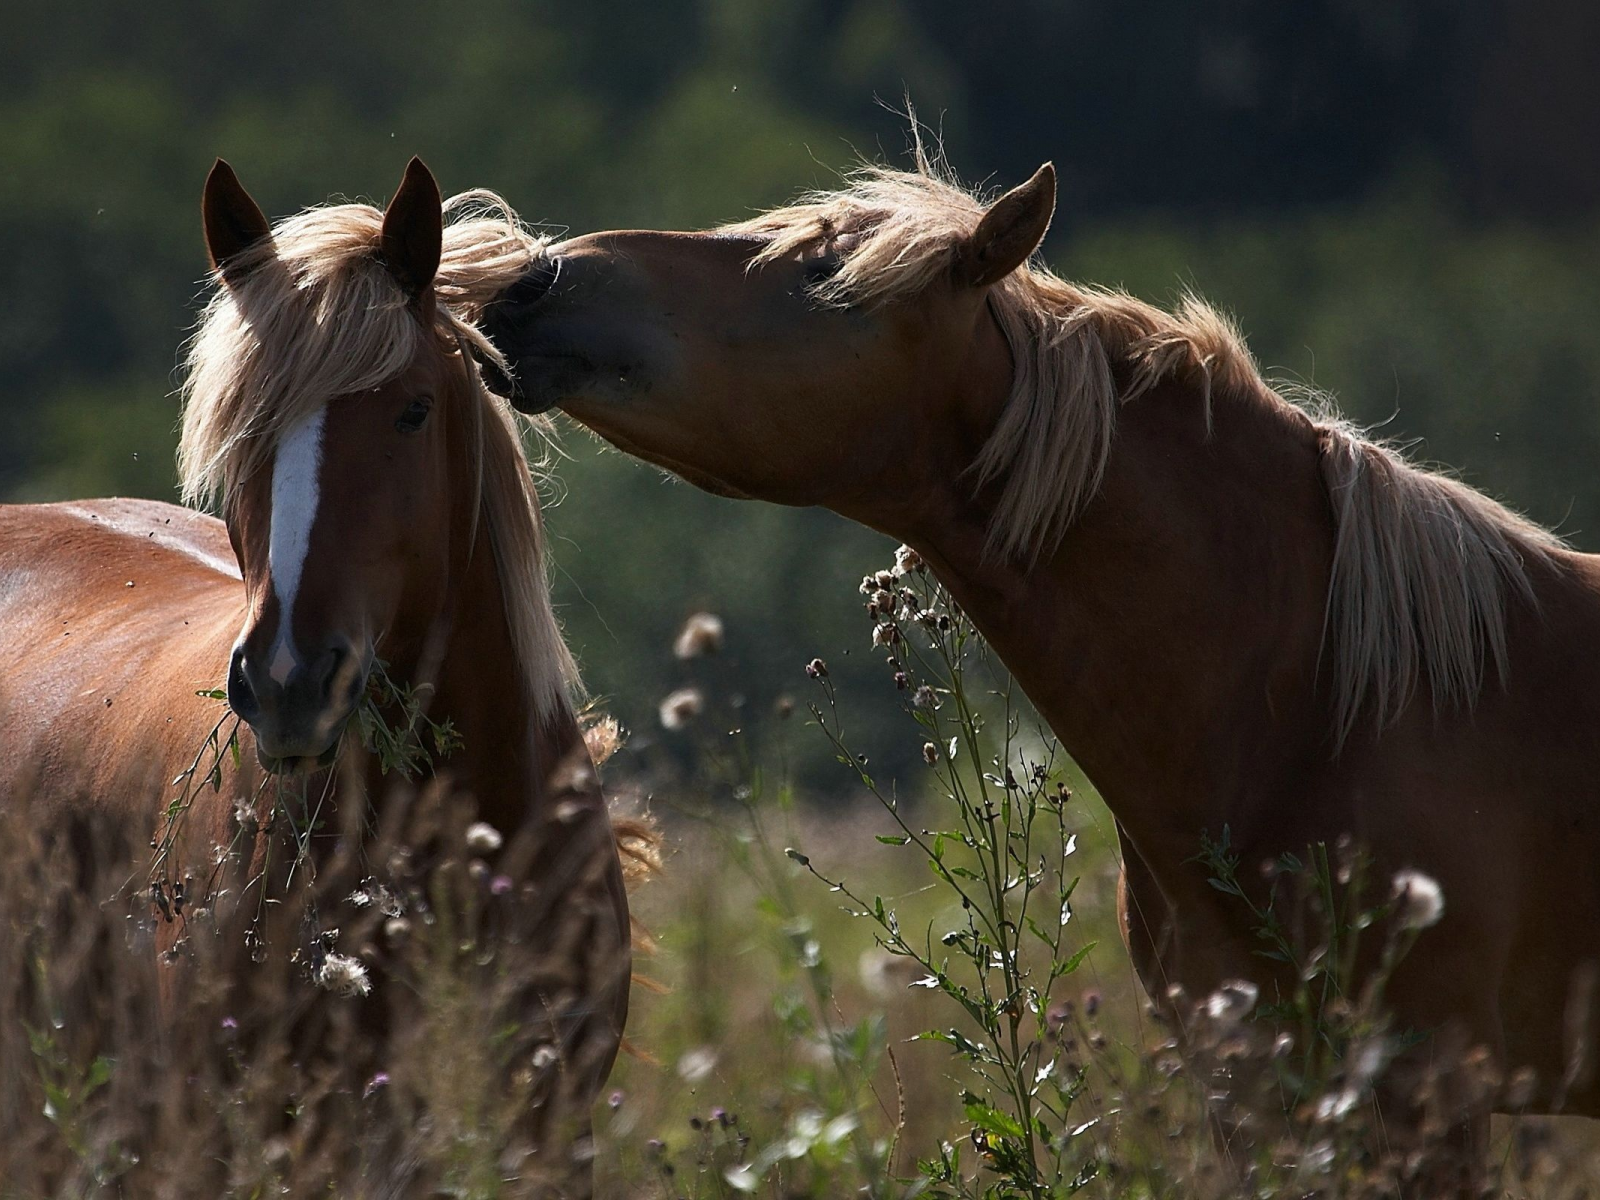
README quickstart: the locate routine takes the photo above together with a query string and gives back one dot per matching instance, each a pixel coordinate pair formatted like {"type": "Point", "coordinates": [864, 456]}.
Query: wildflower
{"type": "Point", "coordinates": [817, 669]}
{"type": "Point", "coordinates": [681, 707]}
{"type": "Point", "coordinates": [925, 698]}
{"type": "Point", "coordinates": [701, 635]}
{"type": "Point", "coordinates": [544, 1057]}
{"type": "Point", "coordinates": [343, 975]}
{"type": "Point", "coordinates": [1419, 901]}
{"type": "Point", "coordinates": [883, 602]}
{"type": "Point", "coordinates": [696, 1064]}
{"type": "Point", "coordinates": [500, 885]}
{"type": "Point", "coordinates": [907, 560]}
{"type": "Point", "coordinates": [930, 753]}
{"type": "Point", "coordinates": [615, 1100]}
{"type": "Point", "coordinates": [483, 838]}
{"type": "Point", "coordinates": [380, 1080]}
{"type": "Point", "coordinates": [885, 635]}
{"type": "Point", "coordinates": [230, 1024]}
{"type": "Point", "coordinates": [885, 579]}
{"type": "Point", "coordinates": [869, 584]}
{"type": "Point", "coordinates": [901, 681]}
{"type": "Point", "coordinates": [1091, 1002]}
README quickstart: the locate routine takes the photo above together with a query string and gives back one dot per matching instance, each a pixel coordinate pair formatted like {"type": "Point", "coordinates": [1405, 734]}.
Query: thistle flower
{"type": "Point", "coordinates": [701, 635]}
{"type": "Point", "coordinates": [1419, 900]}
{"type": "Point", "coordinates": [817, 669]}
{"type": "Point", "coordinates": [930, 753]}
{"type": "Point", "coordinates": [681, 707]}
{"type": "Point", "coordinates": [925, 698]}
{"type": "Point", "coordinates": [343, 975]}
{"type": "Point", "coordinates": [483, 838]}
{"type": "Point", "coordinates": [885, 635]}
{"type": "Point", "coordinates": [907, 560]}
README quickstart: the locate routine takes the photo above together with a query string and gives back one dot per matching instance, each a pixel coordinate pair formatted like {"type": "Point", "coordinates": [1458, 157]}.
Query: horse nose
{"type": "Point", "coordinates": [296, 712]}
{"type": "Point", "coordinates": [242, 696]}
{"type": "Point", "coordinates": [334, 677]}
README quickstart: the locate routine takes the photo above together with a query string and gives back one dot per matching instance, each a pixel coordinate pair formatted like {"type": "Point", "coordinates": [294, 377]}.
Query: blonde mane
{"type": "Point", "coordinates": [1423, 565]}
{"type": "Point", "coordinates": [314, 315]}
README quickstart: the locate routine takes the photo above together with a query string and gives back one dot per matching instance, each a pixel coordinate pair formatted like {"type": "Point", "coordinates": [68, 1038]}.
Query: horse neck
{"type": "Point", "coordinates": [1172, 641]}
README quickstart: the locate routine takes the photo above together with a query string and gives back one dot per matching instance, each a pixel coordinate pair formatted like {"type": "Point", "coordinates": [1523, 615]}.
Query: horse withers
{"type": "Point", "coordinates": [1235, 613]}
{"type": "Point", "coordinates": [378, 513]}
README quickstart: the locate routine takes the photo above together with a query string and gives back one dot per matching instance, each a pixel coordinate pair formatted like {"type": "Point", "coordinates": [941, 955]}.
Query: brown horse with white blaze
{"type": "Point", "coordinates": [377, 504]}
{"type": "Point", "coordinates": [1234, 612]}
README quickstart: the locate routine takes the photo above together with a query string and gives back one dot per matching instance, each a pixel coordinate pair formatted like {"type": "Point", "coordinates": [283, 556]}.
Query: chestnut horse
{"type": "Point", "coordinates": [377, 503]}
{"type": "Point", "coordinates": [1235, 613]}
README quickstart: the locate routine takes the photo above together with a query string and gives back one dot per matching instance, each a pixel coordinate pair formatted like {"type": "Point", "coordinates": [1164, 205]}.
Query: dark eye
{"type": "Point", "coordinates": [415, 415]}
{"type": "Point", "coordinates": [821, 268]}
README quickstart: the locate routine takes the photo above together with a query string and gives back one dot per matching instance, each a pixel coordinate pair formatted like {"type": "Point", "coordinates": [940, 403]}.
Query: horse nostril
{"type": "Point", "coordinates": [329, 667]}
{"type": "Point", "coordinates": [241, 696]}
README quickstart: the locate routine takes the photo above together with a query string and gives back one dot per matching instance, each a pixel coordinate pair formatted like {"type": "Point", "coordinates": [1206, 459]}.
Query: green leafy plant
{"type": "Point", "coordinates": [1001, 852]}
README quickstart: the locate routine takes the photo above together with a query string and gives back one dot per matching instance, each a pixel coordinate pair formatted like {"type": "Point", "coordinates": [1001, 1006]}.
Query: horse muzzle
{"type": "Point", "coordinates": [298, 715]}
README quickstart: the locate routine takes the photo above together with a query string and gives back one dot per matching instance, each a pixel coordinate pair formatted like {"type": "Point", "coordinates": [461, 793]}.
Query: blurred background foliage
{"type": "Point", "coordinates": [1398, 199]}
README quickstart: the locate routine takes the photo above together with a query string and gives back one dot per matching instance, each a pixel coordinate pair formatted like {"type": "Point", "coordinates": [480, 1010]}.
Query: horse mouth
{"type": "Point", "coordinates": [297, 764]}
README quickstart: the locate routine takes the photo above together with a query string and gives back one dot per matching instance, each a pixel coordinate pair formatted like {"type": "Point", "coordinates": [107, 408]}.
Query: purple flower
{"type": "Point", "coordinates": [380, 1080]}
{"type": "Point", "coordinates": [500, 885]}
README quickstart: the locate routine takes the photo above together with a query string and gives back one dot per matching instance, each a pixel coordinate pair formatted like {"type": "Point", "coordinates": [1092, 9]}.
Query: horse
{"type": "Point", "coordinates": [1238, 613]}
{"type": "Point", "coordinates": [378, 516]}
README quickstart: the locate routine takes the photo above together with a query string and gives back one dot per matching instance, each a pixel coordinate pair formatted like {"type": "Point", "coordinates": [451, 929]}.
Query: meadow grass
{"type": "Point", "coordinates": [914, 989]}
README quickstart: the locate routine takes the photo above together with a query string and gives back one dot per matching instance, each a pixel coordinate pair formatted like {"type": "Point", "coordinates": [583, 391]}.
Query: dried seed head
{"type": "Point", "coordinates": [701, 635]}
{"type": "Point", "coordinates": [483, 838]}
{"type": "Point", "coordinates": [343, 975]}
{"type": "Point", "coordinates": [1419, 900]}
{"type": "Point", "coordinates": [682, 707]}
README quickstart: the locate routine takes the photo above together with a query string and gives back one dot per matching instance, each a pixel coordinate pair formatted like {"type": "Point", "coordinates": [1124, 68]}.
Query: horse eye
{"type": "Point", "coordinates": [822, 268]}
{"type": "Point", "coordinates": [415, 415]}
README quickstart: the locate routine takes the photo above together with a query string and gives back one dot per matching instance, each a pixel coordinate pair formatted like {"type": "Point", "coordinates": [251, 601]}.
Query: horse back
{"type": "Point", "coordinates": [114, 614]}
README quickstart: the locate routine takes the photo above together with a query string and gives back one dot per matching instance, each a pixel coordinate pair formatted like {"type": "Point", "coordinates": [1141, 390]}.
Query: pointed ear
{"type": "Point", "coordinates": [233, 221]}
{"type": "Point", "coordinates": [1009, 232]}
{"type": "Point", "coordinates": [413, 230]}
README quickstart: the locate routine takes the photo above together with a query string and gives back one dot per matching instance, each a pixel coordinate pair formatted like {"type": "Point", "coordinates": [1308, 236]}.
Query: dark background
{"type": "Point", "coordinates": [1397, 198]}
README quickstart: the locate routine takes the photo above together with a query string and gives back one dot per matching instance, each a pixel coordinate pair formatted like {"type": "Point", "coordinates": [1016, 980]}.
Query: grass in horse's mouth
{"type": "Point", "coordinates": [300, 763]}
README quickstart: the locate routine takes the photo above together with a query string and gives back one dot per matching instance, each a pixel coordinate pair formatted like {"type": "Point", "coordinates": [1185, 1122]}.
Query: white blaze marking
{"type": "Point", "coordinates": [296, 469]}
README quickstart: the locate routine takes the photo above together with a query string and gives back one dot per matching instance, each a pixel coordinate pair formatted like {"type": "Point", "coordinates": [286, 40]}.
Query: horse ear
{"type": "Point", "coordinates": [233, 222]}
{"type": "Point", "coordinates": [413, 230]}
{"type": "Point", "coordinates": [1009, 232]}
